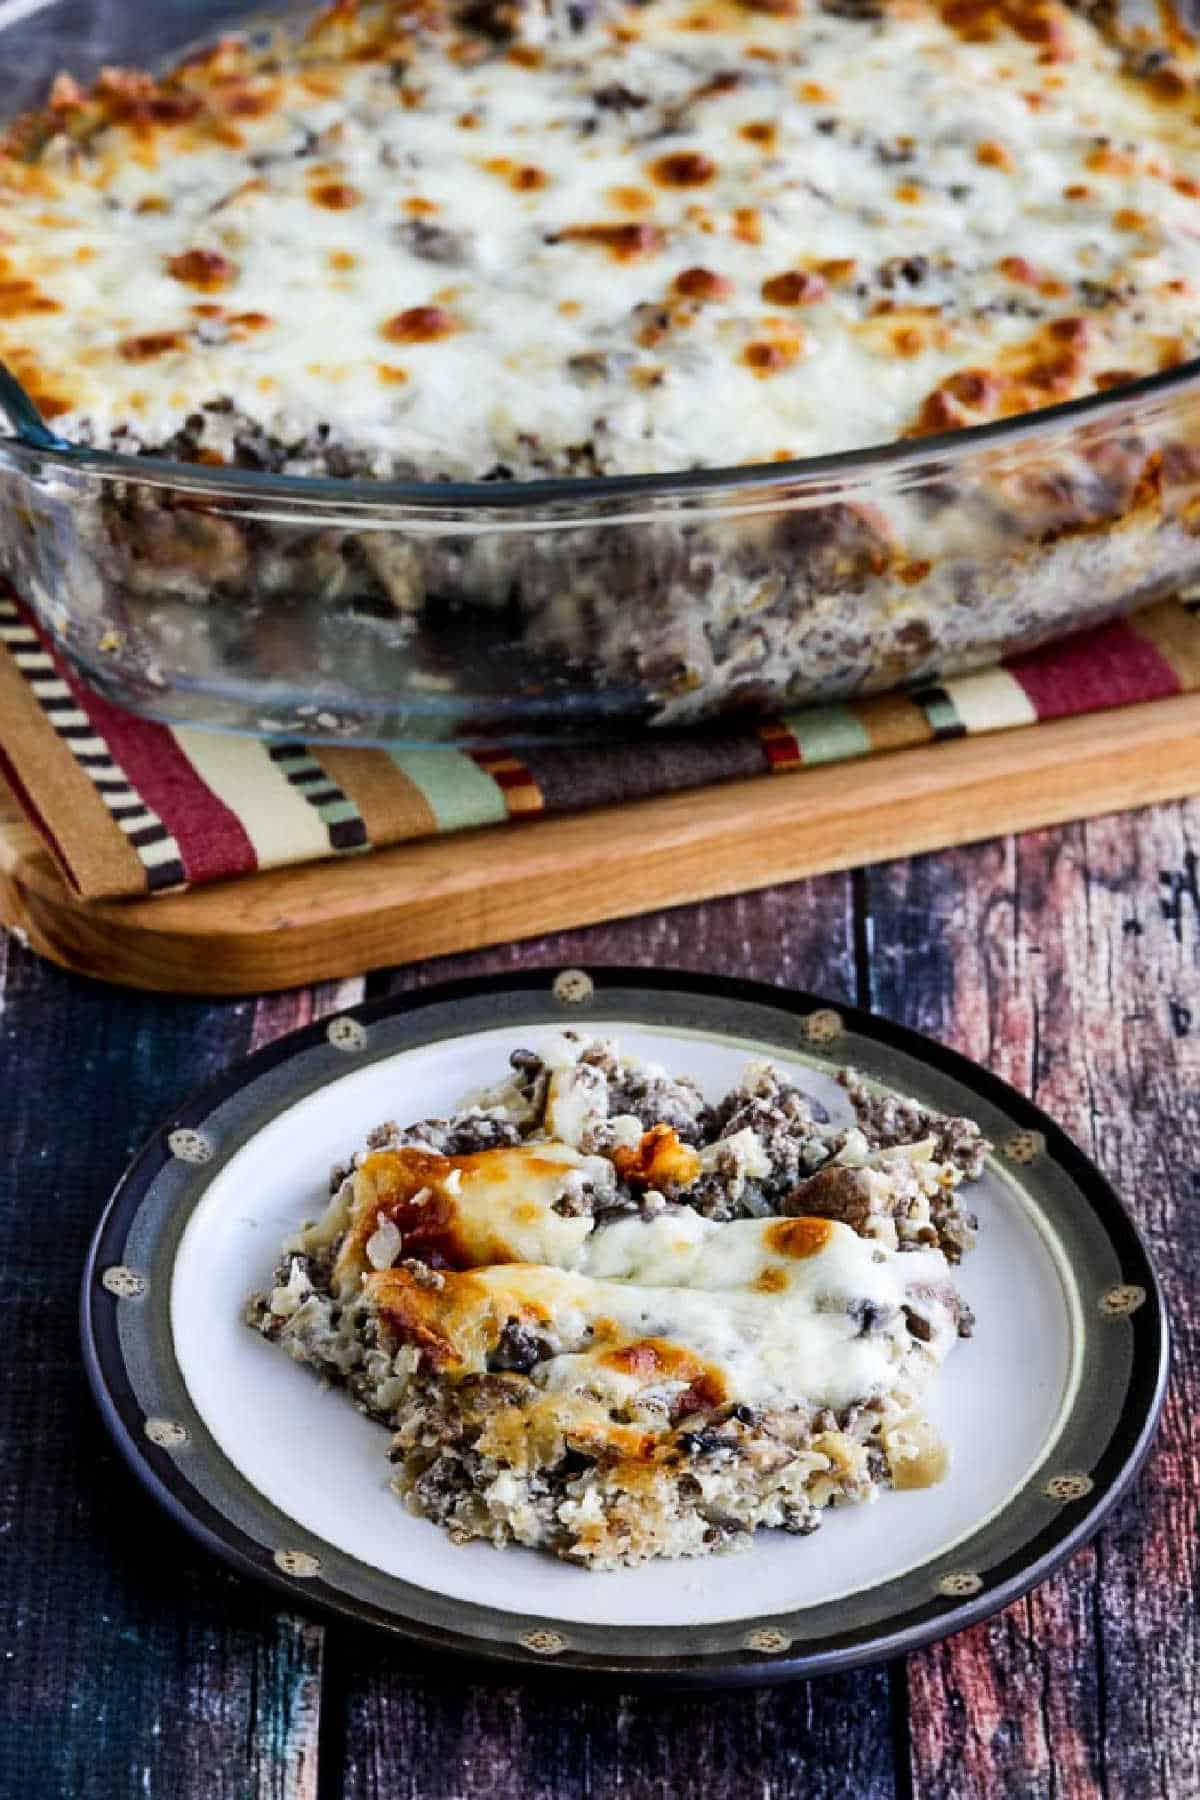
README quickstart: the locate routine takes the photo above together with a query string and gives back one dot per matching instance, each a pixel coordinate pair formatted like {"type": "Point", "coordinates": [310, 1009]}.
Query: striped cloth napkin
{"type": "Point", "coordinates": [133, 808]}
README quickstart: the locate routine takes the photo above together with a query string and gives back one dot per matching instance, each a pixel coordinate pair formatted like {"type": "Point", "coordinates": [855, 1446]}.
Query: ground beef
{"type": "Point", "coordinates": [460, 1136]}
{"type": "Point", "coordinates": [955, 1227]}
{"type": "Point", "coordinates": [594, 1190]}
{"type": "Point", "coordinates": [621, 1088]}
{"type": "Point", "coordinates": [833, 1193]}
{"type": "Point", "coordinates": [788, 1126]}
{"type": "Point", "coordinates": [889, 1119]}
{"type": "Point", "coordinates": [518, 1349]}
{"type": "Point", "coordinates": [650, 1095]}
{"type": "Point", "coordinates": [948, 1296]}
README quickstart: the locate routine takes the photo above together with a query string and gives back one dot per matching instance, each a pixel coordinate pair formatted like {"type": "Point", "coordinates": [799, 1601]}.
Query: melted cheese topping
{"type": "Point", "coordinates": [793, 1292]}
{"type": "Point", "coordinates": [694, 232]}
{"type": "Point", "coordinates": [779, 1334]}
{"type": "Point", "coordinates": [459, 1212]}
{"type": "Point", "coordinates": [767, 1311]}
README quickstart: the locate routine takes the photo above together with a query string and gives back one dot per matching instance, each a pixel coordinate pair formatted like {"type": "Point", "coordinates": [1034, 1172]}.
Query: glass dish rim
{"type": "Point", "coordinates": [32, 434]}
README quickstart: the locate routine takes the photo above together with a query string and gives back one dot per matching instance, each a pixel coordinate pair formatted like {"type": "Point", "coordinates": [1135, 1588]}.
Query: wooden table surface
{"type": "Point", "coordinates": [131, 1664]}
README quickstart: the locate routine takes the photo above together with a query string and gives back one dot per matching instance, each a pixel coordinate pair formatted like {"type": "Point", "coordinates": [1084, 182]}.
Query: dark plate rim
{"type": "Point", "coordinates": [1009, 1580]}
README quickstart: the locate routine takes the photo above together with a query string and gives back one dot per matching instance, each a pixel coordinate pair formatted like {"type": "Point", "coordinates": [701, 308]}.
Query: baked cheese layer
{"type": "Point", "coordinates": [688, 233]}
{"type": "Point", "coordinates": [768, 1313]}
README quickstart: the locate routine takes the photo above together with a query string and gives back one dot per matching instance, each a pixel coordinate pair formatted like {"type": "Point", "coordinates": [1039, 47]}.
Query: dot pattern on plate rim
{"type": "Point", "coordinates": [543, 1643]}
{"type": "Point", "coordinates": [124, 1282]}
{"type": "Point", "coordinates": [1023, 1146]}
{"type": "Point", "coordinates": [768, 1640]}
{"type": "Point", "coordinates": [823, 1026]}
{"type": "Point", "coordinates": [168, 1434]}
{"type": "Point", "coordinates": [1068, 1487]}
{"type": "Point", "coordinates": [1119, 1302]}
{"type": "Point", "coordinates": [189, 1146]}
{"type": "Point", "coordinates": [573, 987]}
{"type": "Point", "coordinates": [959, 1583]}
{"type": "Point", "coordinates": [346, 1034]}
{"type": "Point", "coordinates": [300, 1563]}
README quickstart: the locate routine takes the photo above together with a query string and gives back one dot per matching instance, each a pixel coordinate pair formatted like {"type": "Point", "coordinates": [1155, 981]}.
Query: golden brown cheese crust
{"type": "Point", "coordinates": [457, 1324]}
{"type": "Point", "coordinates": [462, 1212]}
{"type": "Point", "coordinates": [659, 1160]}
{"type": "Point", "coordinates": [783, 255]}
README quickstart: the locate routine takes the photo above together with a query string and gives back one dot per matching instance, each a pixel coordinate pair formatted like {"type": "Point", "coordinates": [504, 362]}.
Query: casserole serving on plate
{"type": "Point", "coordinates": [502, 370]}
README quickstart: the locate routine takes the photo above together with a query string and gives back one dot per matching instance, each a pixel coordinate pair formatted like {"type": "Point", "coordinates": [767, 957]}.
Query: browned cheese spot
{"type": "Point", "coordinates": [796, 287]}
{"type": "Point", "coordinates": [626, 242]}
{"type": "Point", "coordinates": [657, 1160]}
{"type": "Point", "coordinates": [683, 169]}
{"type": "Point", "coordinates": [762, 132]}
{"type": "Point", "coordinates": [631, 199]}
{"type": "Point", "coordinates": [335, 196]}
{"type": "Point", "coordinates": [993, 155]}
{"type": "Point", "coordinates": [246, 102]}
{"type": "Point", "coordinates": [652, 1360]}
{"type": "Point", "coordinates": [207, 270]}
{"type": "Point", "coordinates": [151, 344]}
{"type": "Point", "coordinates": [435, 1320]}
{"type": "Point", "coordinates": [798, 1237]}
{"type": "Point", "coordinates": [524, 178]}
{"type": "Point", "coordinates": [768, 356]}
{"type": "Point", "coordinates": [242, 324]}
{"type": "Point", "coordinates": [1040, 22]}
{"type": "Point", "coordinates": [702, 284]}
{"type": "Point", "coordinates": [420, 325]}
{"type": "Point", "coordinates": [20, 299]}
{"type": "Point", "coordinates": [1020, 269]}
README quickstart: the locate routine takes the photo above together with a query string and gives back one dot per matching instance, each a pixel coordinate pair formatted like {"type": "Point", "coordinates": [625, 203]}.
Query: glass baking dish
{"type": "Point", "coordinates": [360, 611]}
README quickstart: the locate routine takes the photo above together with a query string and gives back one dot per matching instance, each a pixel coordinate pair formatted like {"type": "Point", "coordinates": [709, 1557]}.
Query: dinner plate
{"type": "Point", "coordinates": [1048, 1410]}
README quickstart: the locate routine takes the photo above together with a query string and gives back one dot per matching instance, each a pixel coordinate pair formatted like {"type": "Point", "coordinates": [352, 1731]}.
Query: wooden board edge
{"type": "Point", "coordinates": [467, 890]}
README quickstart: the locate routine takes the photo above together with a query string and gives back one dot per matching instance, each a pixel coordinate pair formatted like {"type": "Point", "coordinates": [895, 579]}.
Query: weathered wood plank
{"type": "Point", "coordinates": [284, 1739]}
{"type": "Point", "coordinates": [1067, 961]}
{"type": "Point", "coordinates": [409, 1734]}
{"type": "Point", "coordinates": [412, 1737]}
{"type": "Point", "coordinates": [801, 935]}
{"type": "Point", "coordinates": [133, 1664]}
{"type": "Point", "coordinates": [128, 1654]}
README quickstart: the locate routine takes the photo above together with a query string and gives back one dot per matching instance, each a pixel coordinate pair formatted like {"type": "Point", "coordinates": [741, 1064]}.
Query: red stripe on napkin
{"type": "Point", "coordinates": [1110, 666]}
{"type": "Point", "coordinates": [211, 840]}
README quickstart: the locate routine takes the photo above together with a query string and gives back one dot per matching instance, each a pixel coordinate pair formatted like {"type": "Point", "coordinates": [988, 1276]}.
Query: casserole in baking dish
{"type": "Point", "coordinates": [502, 369]}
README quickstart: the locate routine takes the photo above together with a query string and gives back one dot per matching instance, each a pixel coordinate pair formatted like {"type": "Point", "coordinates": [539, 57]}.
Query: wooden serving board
{"type": "Point", "coordinates": [469, 889]}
